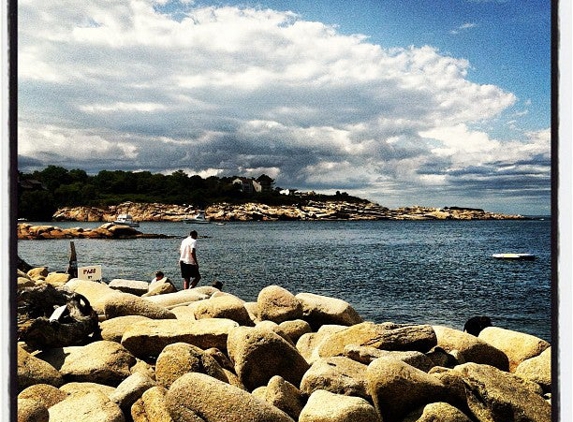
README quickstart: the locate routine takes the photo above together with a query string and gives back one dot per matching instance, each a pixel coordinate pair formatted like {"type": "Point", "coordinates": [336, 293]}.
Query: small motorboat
{"type": "Point", "coordinates": [199, 218]}
{"type": "Point", "coordinates": [126, 220]}
{"type": "Point", "coordinates": [514, 256]}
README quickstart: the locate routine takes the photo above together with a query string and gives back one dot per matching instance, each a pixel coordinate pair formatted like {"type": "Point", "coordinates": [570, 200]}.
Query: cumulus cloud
{"type": "Point", "coordinates": [241, 91]}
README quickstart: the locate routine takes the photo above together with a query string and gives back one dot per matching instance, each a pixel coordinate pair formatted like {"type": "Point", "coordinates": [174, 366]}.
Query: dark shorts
{"type": "Point", "coordinates": [188, 270]}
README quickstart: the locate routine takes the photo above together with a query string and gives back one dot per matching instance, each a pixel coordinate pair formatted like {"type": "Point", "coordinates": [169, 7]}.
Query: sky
{"type": "Point", "coordinates": [403, 102]}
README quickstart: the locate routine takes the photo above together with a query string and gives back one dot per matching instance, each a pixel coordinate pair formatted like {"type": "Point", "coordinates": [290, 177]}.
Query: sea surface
{"type": "Point", "coordinates": [435, 272]}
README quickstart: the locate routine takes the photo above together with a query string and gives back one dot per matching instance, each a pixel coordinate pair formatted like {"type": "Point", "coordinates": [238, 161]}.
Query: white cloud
{"type": "Point", "coordinates": [221, 91]}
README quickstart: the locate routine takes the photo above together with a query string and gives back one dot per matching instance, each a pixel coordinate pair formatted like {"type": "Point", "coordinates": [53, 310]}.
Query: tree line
{"type": "Point", "coordinates": [42, 193]}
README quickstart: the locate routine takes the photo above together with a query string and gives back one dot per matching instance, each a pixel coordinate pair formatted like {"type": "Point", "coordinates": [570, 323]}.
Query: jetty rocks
{"type": "Point", "coordinates": [105, 231]}
{"type": "Point", "coordinates": [203, 355]}
{"type": "Point", "coordinates": [306, 211]}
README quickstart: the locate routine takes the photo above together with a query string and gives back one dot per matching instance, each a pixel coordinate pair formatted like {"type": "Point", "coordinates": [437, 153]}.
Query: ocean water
{"type": "Point", "coordinates": [436, 272]}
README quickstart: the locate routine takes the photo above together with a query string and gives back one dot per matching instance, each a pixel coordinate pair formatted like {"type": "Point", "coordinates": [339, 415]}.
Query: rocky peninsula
{"type": "Point", "coordinates": [27, 231]}
{"type": "Point", "coordinates": [309, 211]}
{"type": "Point", "coordinates": [144, 352]}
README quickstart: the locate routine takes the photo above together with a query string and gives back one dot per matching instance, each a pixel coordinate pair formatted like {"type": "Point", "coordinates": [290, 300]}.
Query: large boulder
{"type": "Point", "coordinates": [160, 288]}
{"type": "Point", "coordinates": [308, 343]}
{"type": "Point", "coordinates": [259, 354]}
{"type": "Point", "coordinates": [224, 306]}
{"type": "Point", "coordinates": [180, 358]}
{"type": "Point", "coordinates": [468, 348]}
{"type": "Point", "coordinates": [148, 338]}
{"type": "Point", "coordinates": [114, 328]}
{"type": "Point", "coordinates": [324, 406]}
{"type": "Point", "coordinates": [385, 336]}
{"type": "Point", "coordinates": [32, 370]}
{"type": "Point", "coordinates": [197, 397]}
{"type": "Point", "coordinates": [151, 407]}
{"type": "Point", "coordinates": [321, 310]}
{"type": "Point", "coordinates": [517, 346]}
{"type": "Point", "coordinates": [277, 304]}
{"type": "Point", "coordinates": [92, 406]}
{"type": "Point", "coordinates": [282, 394]}
{"type": "Point", "coordinates": [537, 369]}
{"type": "Point", "coordinates": [134, 287]}
{"type": "Point", "coordinates": [295, 328]}
{"type": "Point", "coordinates": [441, 411]}
{"type": "Point", "coordinates": [366, 354]}
{"type": "Point", "coordinates": [397, 387]}
{"type": "Point", "coordinates": [72, 388]}
{"type": "Point", "coordinates": [104, 362]}
{"type": "Point", "coordinates": [339, 375]}
{"type": "Point", "coordinates": [494, 395]}
{"type": "Point", "coordinates": [178, 298]}
{"type": "Point", "coordinates": [131, 389]}
{"type": "Point", "coordinates": [46, 394]}
{"type": "Point", "coordinates": [127, 304]}
{"type": "Point", "coordinates": [30, 410]}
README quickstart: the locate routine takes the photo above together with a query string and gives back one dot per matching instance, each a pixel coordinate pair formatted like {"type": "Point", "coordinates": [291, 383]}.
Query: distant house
{"type": "Point", "coordinates": [249, 185]}
{"type": "Point", "coordinates": [30, 184]}
{"type": "Point", "coordinates": [245, 184]}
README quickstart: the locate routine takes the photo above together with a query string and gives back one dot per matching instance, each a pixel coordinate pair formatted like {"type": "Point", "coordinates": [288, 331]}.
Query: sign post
{"type": "Point", "coordinates": [92, 273]}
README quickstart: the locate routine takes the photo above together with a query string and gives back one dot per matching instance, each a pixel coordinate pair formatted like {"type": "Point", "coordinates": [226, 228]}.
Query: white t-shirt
{"type": "Point", "coordinates": [186, 249]}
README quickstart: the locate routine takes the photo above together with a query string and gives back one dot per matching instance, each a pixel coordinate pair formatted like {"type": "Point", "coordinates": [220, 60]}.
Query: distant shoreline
{"type": "Point", "coordinates": [309, 211]}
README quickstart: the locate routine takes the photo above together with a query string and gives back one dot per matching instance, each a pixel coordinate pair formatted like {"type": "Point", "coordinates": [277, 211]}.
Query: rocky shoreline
{"type": "Point", "coordinates": [27, 231]}
{"type": "Point", "coordinates": [311, 211]}
{"type": "Point", "coordinates": [203, 355]}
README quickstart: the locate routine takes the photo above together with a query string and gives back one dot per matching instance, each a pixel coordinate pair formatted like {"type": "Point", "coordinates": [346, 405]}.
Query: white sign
{"type": "Point", "coordinates": [92, 273]}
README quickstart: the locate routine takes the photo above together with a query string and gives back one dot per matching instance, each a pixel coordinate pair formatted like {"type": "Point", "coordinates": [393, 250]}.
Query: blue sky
{"type": "Point", "coordinates": [412, 102]}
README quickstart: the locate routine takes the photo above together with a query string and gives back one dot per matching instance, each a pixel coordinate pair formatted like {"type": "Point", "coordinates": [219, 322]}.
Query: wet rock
{"type": "Point", "coordinates": [321, 310]}
{"type": "Point", "coordinates": [260, 354]}
{"type": "Point", "coordinates": [517, 346]}
{"type": "Point", "coordinates": [324, 406]}
{"type": "Point", "coordinates": [195, 394]}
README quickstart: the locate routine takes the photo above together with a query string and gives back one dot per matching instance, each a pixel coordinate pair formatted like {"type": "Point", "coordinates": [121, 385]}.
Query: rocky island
{"type": "Point", "coordinates": [308, 211]}
{"type": "Point", "coordinates": [151, 353]}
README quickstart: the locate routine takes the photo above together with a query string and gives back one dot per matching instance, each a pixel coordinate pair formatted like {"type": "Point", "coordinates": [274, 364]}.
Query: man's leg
{"type": "Point", "coordinates": [185, 283]}
{"type": "Point", "coordinates": [196, 280]}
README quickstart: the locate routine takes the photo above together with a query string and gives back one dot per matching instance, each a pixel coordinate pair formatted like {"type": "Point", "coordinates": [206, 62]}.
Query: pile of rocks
{"type": "Point", "coordinates": [203, 355]}
{"type": "Point", "coordinates": [105, 231]}
{"type": "Point", "coordinates": [309, 211]}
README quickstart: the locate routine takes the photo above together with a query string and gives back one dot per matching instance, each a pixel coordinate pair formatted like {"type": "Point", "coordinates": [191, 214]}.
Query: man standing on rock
{"type": "Point", "coordinates": [188, 261]}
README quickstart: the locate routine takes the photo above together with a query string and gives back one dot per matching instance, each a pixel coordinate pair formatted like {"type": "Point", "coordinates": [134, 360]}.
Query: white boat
{"type": "Point", "coordinates": [126, 220]}
{"type": "Point", "coordinates": [199, 218]}
{"type": "Point", "coordinates": [522, 256]}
